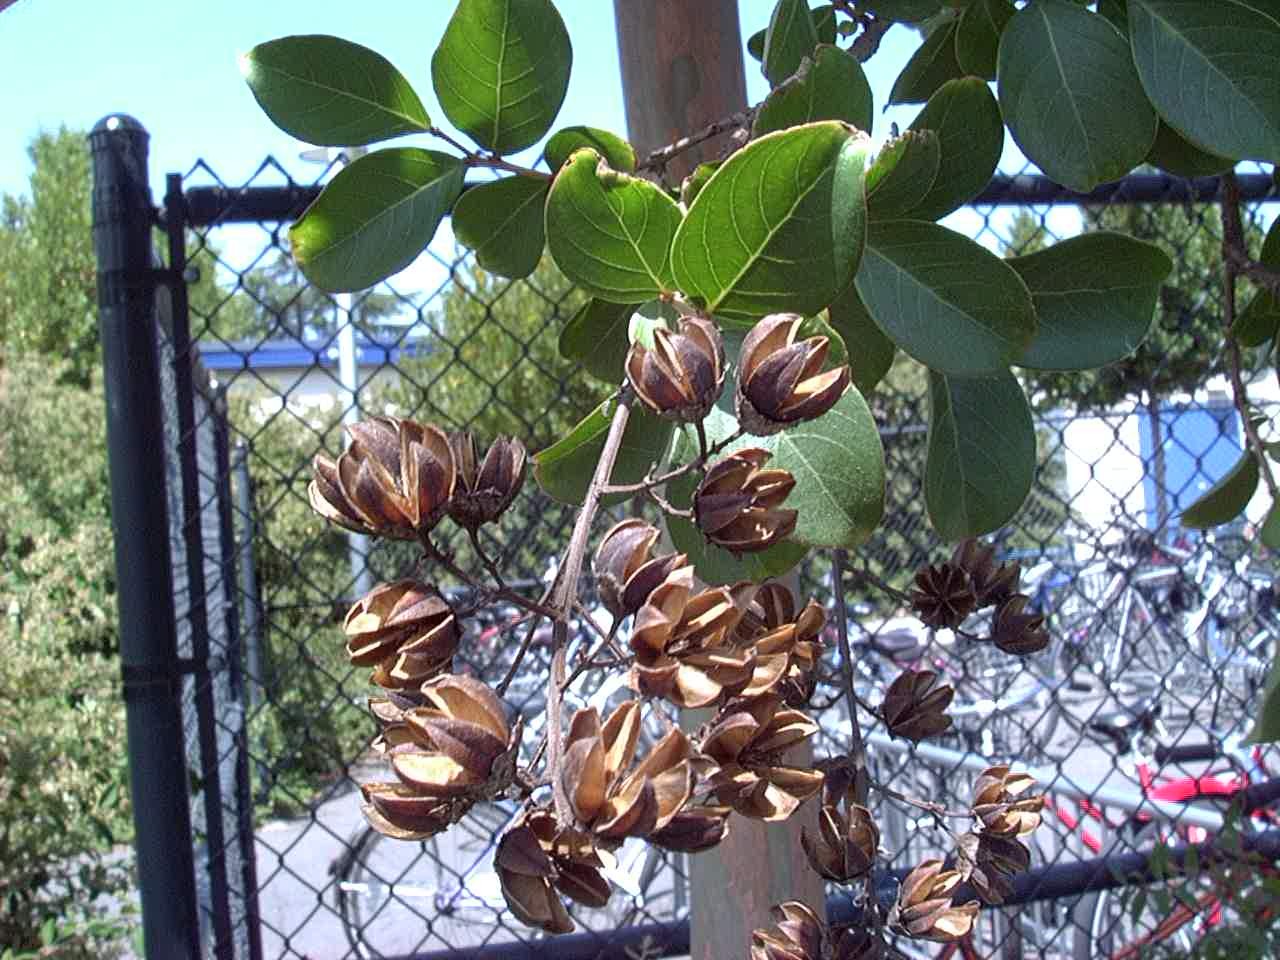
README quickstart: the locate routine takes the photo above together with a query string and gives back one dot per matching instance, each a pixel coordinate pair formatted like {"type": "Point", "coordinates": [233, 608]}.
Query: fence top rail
{"type": "Point", "coordinates": [210, 206]}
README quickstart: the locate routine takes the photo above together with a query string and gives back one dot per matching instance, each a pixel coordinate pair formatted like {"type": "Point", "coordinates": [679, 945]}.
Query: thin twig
{"type": "Point", "coordinates": [524, 648]}
{"type": "Point", "coordinates": [870, 578]}
{"type": "Point", "coordinates": [857, 749]}
{"type": "Point", "coordinates": [657, 160]}
{"type": "Point", "coordinates": [868, 42]}
{"type": "Point", "coordinates": [485, 558]}
{"type": "Point", "coordinates": [697, 463]}
{"type": "Point", "coordinates": [493, 161]}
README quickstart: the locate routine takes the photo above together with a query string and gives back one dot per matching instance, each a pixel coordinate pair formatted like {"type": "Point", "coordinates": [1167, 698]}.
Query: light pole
{"type": "Point", "coordinates": [348, 368]}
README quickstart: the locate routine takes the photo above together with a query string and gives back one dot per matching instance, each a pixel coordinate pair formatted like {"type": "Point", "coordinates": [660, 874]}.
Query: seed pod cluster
{"type": "Point", "coordinates": [924, 909]}
{"type": "Point", "coordinates": [798, 934]}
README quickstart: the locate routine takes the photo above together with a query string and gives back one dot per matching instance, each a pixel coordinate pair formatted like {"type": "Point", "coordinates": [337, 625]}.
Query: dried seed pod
{"type": "Point", "coordinates": [992, 585]}
{"type": "Point", "coordinates": [394, 480]}
{"type": "Point", "coordinates": [781, 382]}
{"type": "Point", "coordinates": [785, 658]}
{"type": "Point", "coordinates": [763, 607]}
{"type": "Point", "coordinates": [693, 829]}
{"type": "Point", "coordinates": [990, 863]}
{"type": "Point", "coordinates": [682, 376]}
{"type": "Point", "coordinates": [485, 488]}
{"type": "Point", "coordinates": [943, 596]}
{"type": "Point", "coordinates": [924, 908]}
{"type": "Point", "coordinates": [845, 845]}
{"type": "Point", "coordinates": [608, 797]}
{"type": "Point", "coordinates": [798, 934]}
{"type": "Point", "coordinates": [402, 813]}
{"type": "Point", "coordinates": [747, 742]}
{"type": "Point", "coordinates": [537, 860]}
{"type": "Point", "coordinates": [625, 573]}
{"type": "Point", "coordinates": [914, 705]}
{"type": "Point", "coordinates": [858, 943]}
{"type": "Point", "coordinates": [1000, 805]}
{"type": "Point", "coordinates": [405, 631]}
{"type": "Point", "coordinates": [738, 504]}
{"type": "Point", "coordinates": [1016, 632]}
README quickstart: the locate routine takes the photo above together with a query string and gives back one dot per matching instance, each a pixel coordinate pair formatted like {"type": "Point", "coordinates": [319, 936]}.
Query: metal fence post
{"type": "Point", "coordinates": [123, 217]}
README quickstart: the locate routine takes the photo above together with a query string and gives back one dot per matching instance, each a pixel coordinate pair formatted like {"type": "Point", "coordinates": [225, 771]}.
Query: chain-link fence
{"type": "Point", "coordinates": [1161, 636]}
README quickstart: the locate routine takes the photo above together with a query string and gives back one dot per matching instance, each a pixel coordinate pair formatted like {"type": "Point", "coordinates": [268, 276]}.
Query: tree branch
{"type": "Point", "coordinates": [657, 160]}
{"type": "Point", "coordinates": [857, 749]}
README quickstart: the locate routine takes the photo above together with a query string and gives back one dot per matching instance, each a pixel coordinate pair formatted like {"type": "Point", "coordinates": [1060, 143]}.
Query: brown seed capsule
{"type": "Point", "coordinates": [990, 863]}
{"type": "Point", "coordinates": [405, 631]}
{"type": "Point", "coordinates": [1016, 632]}
{"type": "Point", "coordinates": [914, 705]}
{"type": "Point", "coordinates": [738, 504]}
{"type": "Point", "coordinates": [625, 573]}
{"type": "Point", "coordinates": [747, 742]}
{"type": "Point", "coordinates": [798, 934]}
{"type": "Point", "coordinates": [781, 382]}
{"type": "Point", "coordinates": [786, 652]}
{"type": "Point", "coordinates": [924, 909]}
{"type": "Point", "coordinates": [992, 585]}
{"type": "Point", "coordinates": [537, 860]}
{"type": "Point", "coordinates": [693, 829]}
{"type": "Point", "coordinates": [608, 797]}
{"type": "Point", "coordinates": [682, 376]}
{"type": "Point", "coordinates": [845, 844]}
{"type": "Point", "coordinates": [943, 596]}
{"type": "Point", "coordinates": [484, 489]}
{"type": "Point", "coordinates": [1000, 805]}
{"type": "Point", "coordinates": [394, 480]}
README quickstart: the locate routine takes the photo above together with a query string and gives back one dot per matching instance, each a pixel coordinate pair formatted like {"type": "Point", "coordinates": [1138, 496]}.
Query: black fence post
{"type": "Point", "coordinates": [123, 217]}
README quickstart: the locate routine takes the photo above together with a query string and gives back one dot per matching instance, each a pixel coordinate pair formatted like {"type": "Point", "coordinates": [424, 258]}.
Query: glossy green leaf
{"type": "Point", "coordinates": [1266, 728]}
{"type": "Point", "coordinates": [695, 181]}
{"type": "Point", "coordinates": [912, 11]}
{"type": "Point", "coordinates": [596, 337]}
{"type": "Point", "coordinates": [869, 352]}
{"type": "Point", "coordinates": [902, 174]}
{"type": "Point", "coordinates": [1226, 499]}
{"type": "Point", "coordinates": [1095, 297]}
{"type": "Point", "coordinates": [330, 91]}
{"type": "Point", "coordinates": [978, 36]}
{"type": "Point", "coordinates": [790, 38]}
{"type": "Point", "coordinates": [981, 459]}
{"type": "Point", "coordinates": [824, 23]}
{"type": "Point", "coordinates": [617, 152]}
{"type": "Point", "coordinates": [375, 217]}
{"type": "Point", "coordinates": [829, 85]}
{"type": "Point", "coordinates": [1176, 154]}
{"type": "Point", "coordinates": [1259, 320]}
{"type": "Point", "coordinates": [780, 225]}
{"type": "Point", "coordinates": [502, 222]}
{"type": "Point", "coordinates": [966, 118]}
{"type": "Point", "coordinates": [1213, 71]}
{"type": "Point", "coordinates": [609, 232]}
{"type": "Point", "coordinates": [1271, 528]}
{"type": "Point", "coordinates": [1116, 13]}
{"type": "Point", "coordinates": [932, 65]}
{"type": "Point", "coordinates": [501, 71]}
{"type": "Point", "coordinates": [944, 299]}
{"type": "Point", "coordinates": [1071, 96]}
{"type": "Point", "coordinates": [565, 468]}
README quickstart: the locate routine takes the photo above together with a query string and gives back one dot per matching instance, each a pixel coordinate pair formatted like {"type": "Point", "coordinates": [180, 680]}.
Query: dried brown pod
{"type": "Point", "coordinates": [914, 705]}
{"type": "Point", "coordinates": [943, 596]}
{"type": "Point", "coordinates": [394, 480]}
{"type": "Point", "coordinates": [405, 631]}
{"type": "Point", "coordinates": [537, 860]}
{"type": "Point", "coordinates": [693, 829]}
{"type": "Point", "coordinates": [400, 812]}
{"type": "Point", "coordinates": [763, 607]}
{"type": "Point", "coordinates": [747, 742]}
{"type": "Point", "coordinates": [924, 909]}
{"type": "Point", "coordinates": [844, 847]}
{"type": "Point", "coordinates": [1002, 804]}
{"type": "Point", "coordinates": [626, 573]}
{"type": "Point", "coordinates": [781, 382]}
{"type": "Point", "coordinates": [738, 504]}
{"type": "Point", "coordinates": [990, 863]}
{"type": "Point", "coordinates": [682, 376]}
{"type": "Point", "coordinates": [797, 934]}
{"type": "Point", "coordinates": [1017, 632]}
{"type": "Point", "coordinates": [785, 658]}
{"type": "Point", "coordinates": [992, 585]}
{"type": "Point", "coordinates": [485, 488]}
{"type": "Point", "coordinates": [608, 796]}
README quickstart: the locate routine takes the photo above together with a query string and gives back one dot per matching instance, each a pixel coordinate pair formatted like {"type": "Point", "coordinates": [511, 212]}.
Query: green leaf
{"type": "Point", "coordinates": [791, 37]}
{"type": "Point", "coordinates": [981, 459]}
{"type": "Point", "coordinates": [502, 222]}
{"type": "Point", "coordinates": [902, 174]}
{"type": "Point", "coordinates": [1095, 297]}
{"type": "Point", "coordinates": [1177, 155]}
{"type": "Point", "coordinates": [565, 468]}
{"type": "Point", "coordinates": [1267, 727]}
{"type": "Point", "coordinates": [501, 71]}
{"type": "Point", "coordinates": [375, 217]}
{"type": "Point", "coordinates": [912, 11]}
{"type": "Point", "coordinates": [1116, 14]}
{"type": "Point", "coordinates": [824, 23]}
{"type": "Point", "coordinates": [1258, 322]}
{"type": "Point", "coordinates": [869, 351]}
{"type": "Point", "coordinates": [970, 132]}
{"type": "Point", "coordinates": [829, 85]}
{"type": "Point", "coordinates": [596, 337]}
{"type": "Point", "coordinates": [779, 226]}
{"type": "Point", "coordinates": [695, 181]}
{"type": "Point", "coordinates": [1213, 71]}
{"type": "Point", "coordinates": [609, 232]}
{"type": "Point", "coordinates": [944, 299]}
{"type": "Point", "coordinates": [1226, 499]}
{"type": "Point", "coordinates": [978, 36]}
{"type": "Point", "coordinates": [1071, 96]}
{"type": "Point", "coordinates": [932, 65]}
{"type": "Point", "coordinates": [330, 91]}
{"type": "Point", "coordinates": [617, 152]}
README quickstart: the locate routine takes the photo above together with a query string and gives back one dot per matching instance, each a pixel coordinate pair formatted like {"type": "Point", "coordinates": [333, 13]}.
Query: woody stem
{"type": "Point", "coordinates": [857, 749]}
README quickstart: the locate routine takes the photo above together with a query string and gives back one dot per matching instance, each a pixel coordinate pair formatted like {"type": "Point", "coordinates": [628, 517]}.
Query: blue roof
{"type": "Point", "coordinates": [278, 354]}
